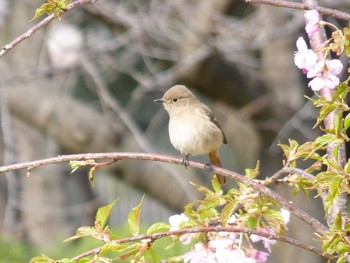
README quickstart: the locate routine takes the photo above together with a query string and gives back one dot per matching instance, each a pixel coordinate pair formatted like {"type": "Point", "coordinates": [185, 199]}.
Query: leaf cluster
{"type": "Point", "coordinates": [51, 7]}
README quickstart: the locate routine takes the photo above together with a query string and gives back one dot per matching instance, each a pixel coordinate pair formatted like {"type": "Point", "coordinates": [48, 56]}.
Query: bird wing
{"type": "Point", "coordinates": [211, 116]}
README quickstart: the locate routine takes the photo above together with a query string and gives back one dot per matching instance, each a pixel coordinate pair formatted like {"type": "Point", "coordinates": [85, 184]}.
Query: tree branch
{"type": "Point", "coordinates": [155, 236]}
{"type": "Point", "coordinates": [41, 24]}
{"type": "Point", "coordinates": [318, 226]}
{"type": "Point", "coordinates": [301, 6]}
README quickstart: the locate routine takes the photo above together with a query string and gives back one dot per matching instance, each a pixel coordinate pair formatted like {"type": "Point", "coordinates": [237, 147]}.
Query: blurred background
{"type": "Point", "coordinates": [86, 82]}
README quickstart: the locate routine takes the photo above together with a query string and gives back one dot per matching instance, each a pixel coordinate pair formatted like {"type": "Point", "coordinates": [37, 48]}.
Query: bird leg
{"type": "Point", "coordinates": [209, 167]}
{"type": "Point", "coordinates": [186, 160]}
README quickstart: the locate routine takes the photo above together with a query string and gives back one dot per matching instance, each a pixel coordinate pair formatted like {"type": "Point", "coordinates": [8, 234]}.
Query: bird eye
{"type": "Point", "coordinates": [175, 100]}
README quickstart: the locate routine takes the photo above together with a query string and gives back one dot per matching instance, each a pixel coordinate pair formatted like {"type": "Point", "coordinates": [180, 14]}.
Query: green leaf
{"type": "Point", "coordinates": [83, 231]}
{"type": "Point", "coordinates": [152, 256]}
{"type": "Point", "coordinates": [253, 173]}
{"type": "Point", "coordinates": [158, 227]}
{"type": "Point", "coordinates": [275, 220]}
{"type": "Point", "coordinates": [338, 222]}
{"type": "Point", "coordinates": [112, 247]}
{"type": "Point", "coordinates": [129, 254]}
{"type": "Point", "coordinates": [92, 176]}
{"type": "Point", "coordinates": [203, 189]}
{"type": "Point", "coordinates": [44, 8]}
{"type": "Point", "coordinates": [337, 122]}
{"type": "Point", "coordinates": [134, 219]}
{"type": "Point", "coordinates": [347, 122]}
{"type": "Point", "coordinates": [50, 7]}
{"type": "Point", "coordinates": [342, 258]}
{"type": "Point", "coordinates": [323, 140]}
{"type": "Point", "coordinates": [252, 222]}
{"type": "Point", "coordinates": [104, 212]}
{"type": "Point", "coordinates": [228, 211]}
{"type": "Point", "coordinates": [216, 185]}
{"type": "Point", "coordinates": [41, 259]}
{"type": "Point", "coordinates": [333, 191]}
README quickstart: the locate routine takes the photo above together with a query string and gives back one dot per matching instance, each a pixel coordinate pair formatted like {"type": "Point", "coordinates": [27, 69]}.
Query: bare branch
{"type": "Point", "coordinates": [41, 24]}
{"type": "Point", "coordinates": [155, 236]}
{"type": "Point", "coordinates": [318, 226]}
{"type": "Point", "coordinates": [301, 6]}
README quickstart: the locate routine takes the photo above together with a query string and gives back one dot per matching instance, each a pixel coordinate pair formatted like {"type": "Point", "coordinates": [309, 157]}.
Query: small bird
{"type": "Point", "coordinates": [193, 129]}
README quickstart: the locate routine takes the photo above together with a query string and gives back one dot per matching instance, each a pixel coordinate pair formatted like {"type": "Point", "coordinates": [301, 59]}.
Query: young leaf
{"type": "Point", "coordinates": [41, 259]}
{"type": "Point", "coordinates": [83, 231]}
{"type": "Point", "coordinates": [227, 211]}
{"type": "Point", "coordinates": [92, 176]}
{"type": "Point", "coordinates": [252, 222]}
{"type": "Point", "coordinates": [112, 247]}
{"type": "Point", "coordinates": [152, 256]}
{"type": "Point", "coordinates": [158, 227]}
{"type": "Point", "coordinates": [203, 189]}
{"type": "Point", "coordinates": [134, 219]}
{"type": "Point", "coordinates": [104, 212]}
{"type": "Point", "coordinates": [216, 185]}
{"type": "Point", "coordinates": [347, 122]}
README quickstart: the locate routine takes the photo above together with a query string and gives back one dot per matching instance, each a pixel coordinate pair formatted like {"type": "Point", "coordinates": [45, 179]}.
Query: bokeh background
{"type": "Point", "coordinates": [86, 82]}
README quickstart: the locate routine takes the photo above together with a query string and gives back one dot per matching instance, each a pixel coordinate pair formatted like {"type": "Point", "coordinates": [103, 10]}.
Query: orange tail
{"type": "Point", "coordinates": [214, 159]}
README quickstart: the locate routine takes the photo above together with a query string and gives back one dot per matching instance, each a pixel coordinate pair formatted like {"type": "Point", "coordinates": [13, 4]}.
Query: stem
{"type": "Point", "coordinates": [318, 226]}
{"type": "Point", "coordinates": [206, 230]}
{"type": "Point", "coordinates": [41, 24]}
{"type": "Point", "coordinates": [316, 40]}
{"type": "Point", "coordinates": [301, 6]}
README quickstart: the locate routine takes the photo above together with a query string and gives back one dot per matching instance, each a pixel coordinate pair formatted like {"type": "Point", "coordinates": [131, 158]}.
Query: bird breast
{"type": "Point", "coordinates": [192, 132]}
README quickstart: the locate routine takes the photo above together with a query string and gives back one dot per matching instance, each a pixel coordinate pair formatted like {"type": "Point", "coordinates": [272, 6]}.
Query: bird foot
{"type": "Point", "coordinates": [186, 160]}
{"type": "Point", "coordinates": [209, 167]}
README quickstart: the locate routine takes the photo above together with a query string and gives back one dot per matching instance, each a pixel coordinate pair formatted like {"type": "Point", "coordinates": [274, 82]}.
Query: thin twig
{"type": "Point", "coordinates": [41, 24]}
{"type": "Point", "coordinates": [301, 6]}
{"type": "Point", "coordinates": [288, 170]}
{"type": "Point", "coordinates": [155, 236]}
{"type": "Point", "coordinates": [317, 225]}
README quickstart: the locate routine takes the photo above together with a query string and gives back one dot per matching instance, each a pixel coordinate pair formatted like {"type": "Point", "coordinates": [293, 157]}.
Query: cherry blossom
{"type": "Point", "coordinates": [324, 74]}
{"type": "Point", "coordinates": [266, 241]}
{"type": "Point", "coordinates": [304, 58]}
{"type": "Point", "coordinates": [258, 256]}
{"type": "Point", "coordinates": [175, 222]}
{"type": "Point", "coordinates": [200, 253]}
{"type": "Point", "coordinates": [313, 19]}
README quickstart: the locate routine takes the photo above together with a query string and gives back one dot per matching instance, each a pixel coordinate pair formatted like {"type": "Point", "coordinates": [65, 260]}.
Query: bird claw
{"type": "Point", "coordinates": [209, 167]}
{"type": "Point", "coordinates": [186, 160]}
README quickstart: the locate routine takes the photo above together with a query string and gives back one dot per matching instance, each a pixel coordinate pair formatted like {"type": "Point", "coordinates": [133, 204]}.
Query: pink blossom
{"type": "Point", "coordinates": [313, 19]}
{"type": "Point", "coordinates": [200, 253]}
{"type": "Point", "coordinates": [175, 222]}
{"type": "Point", "coordinates": [304, 58]}
{"type": "Point", "coordinates": [324, 74]}
{"type": "Point", "coordinates": [285, 214]}
{"type": "Point", "coordinates": [226, 252]}
{"type": "Point", "coordinates": [258, 256]}
{"type": "Point", "coordinates": [266, 241]}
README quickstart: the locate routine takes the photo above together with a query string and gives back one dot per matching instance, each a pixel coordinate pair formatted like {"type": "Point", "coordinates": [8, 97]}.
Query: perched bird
{"type": "Point", "coordinates": [193, 129]}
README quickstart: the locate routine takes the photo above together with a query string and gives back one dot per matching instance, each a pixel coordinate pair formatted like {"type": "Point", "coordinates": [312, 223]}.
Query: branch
{"type": "Point", "coordinates": [155, 236]}
{"type": "Point", "coordinates": [318, 226]}
{"type": "Point", "coordinates": [301, 6]}
{"type": "Point", "coordinates": [288, 170]}
{"type": "Point", "coordinates": [41, 24]}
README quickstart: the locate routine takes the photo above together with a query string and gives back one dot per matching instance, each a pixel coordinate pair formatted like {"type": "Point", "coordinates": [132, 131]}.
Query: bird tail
{"type": "Point", "coordinates": [214, 159]}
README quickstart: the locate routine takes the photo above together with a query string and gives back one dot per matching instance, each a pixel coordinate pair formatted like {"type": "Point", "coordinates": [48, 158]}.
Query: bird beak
{"type": "Point", "coordinates": [159, 100]}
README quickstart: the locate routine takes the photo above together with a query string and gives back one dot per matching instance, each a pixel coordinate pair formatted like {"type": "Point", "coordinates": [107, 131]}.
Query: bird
{"type": "Point", "coordinates": [193, 128]}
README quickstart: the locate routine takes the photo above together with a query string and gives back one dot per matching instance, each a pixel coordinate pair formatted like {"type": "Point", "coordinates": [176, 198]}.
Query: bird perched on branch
{"type": "Point", "coordinates": [193, 129]}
